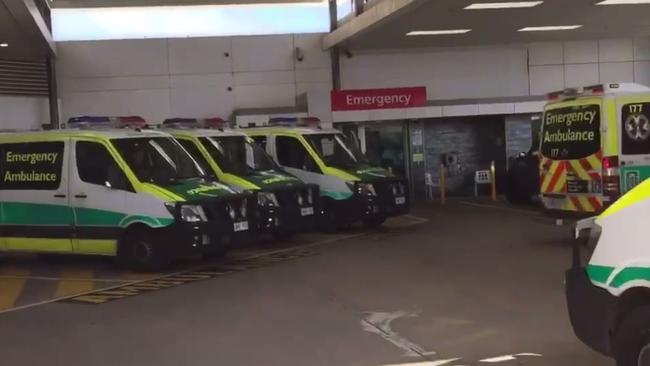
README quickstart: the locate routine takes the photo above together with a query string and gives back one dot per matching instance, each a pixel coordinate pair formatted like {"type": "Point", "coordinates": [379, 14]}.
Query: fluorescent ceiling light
{"type": "Point", "coordinates": [4, 44]}
{"type": "Point", "coordinates": [504, 5]}
{"type": "Point", "coordinates": [623, 2]}
{"type": "Point", "coordinates": [550, 28]}
{"type": "Point", "coordinates": [438, 32]}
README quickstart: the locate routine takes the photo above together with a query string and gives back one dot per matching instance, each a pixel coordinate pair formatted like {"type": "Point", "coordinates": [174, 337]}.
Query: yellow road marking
{"type": "Point", "coordinates": [83, 281]}
{"type": "Point", "coordinates": [10, 288]}
{"type": "Point", "coordinates": [136, 276]}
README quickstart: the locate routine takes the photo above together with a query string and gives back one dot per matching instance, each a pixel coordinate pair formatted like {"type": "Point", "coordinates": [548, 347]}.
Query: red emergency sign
{"type": "Point", "coordinates": [363, 99]}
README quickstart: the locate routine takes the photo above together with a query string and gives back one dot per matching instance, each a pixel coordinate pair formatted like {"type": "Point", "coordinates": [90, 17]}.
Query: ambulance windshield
{"type": "Point", "coordinates": [237, 155]}
{"type": "Point", "coordinates": [336, 150]}
{"type": "Point", "coordinates": [571, 132]}
{"type": "Point", "coordinates": [159, 160]}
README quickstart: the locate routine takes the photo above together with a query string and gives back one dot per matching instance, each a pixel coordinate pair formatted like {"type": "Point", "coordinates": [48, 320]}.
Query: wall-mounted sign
{"type": "Point", "coordinates": [364, 99]}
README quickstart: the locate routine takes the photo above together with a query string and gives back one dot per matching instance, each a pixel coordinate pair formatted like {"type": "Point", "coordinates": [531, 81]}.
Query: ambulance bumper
{"type": "Point", "coordinates": [386, 203]}
{"type": "Point", "coordinates": [188, 238]}
{"type": "Point", "coordinates": [591, 310]}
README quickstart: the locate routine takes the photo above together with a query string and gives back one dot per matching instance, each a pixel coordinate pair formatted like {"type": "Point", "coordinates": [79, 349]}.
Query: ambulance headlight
{"type": "Point", "coordinates": [243, 209]}
{"type": "Point", "coordinates": [366, 189]}
{"type": "Point", "coordinates": [193, 213]}
{"type": "Point", "coordinates": [231, 211]}
{"type": "Point", "coordinates": [299, 199]}
{"type": "Point", "coordinates": [310, 196]}
{"type": "Point", "coordinates": [266, 199]}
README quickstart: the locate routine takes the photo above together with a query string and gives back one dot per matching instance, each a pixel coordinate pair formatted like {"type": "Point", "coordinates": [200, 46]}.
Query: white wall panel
{"type": "Point", "coordinates": [264, 77]}
{"type": "Point", "coordinates": [546, 53]}
{"type": "Point", "coordinates": [642, 49]}
{"type": "Point", "coordinates": [616, 72]}
{"type": "Point", "coordinates": [112, 58]}
{"type": "Point", "coordinates": [153, 105]}
{"type": "Point", "coordinates": [219, 81]}
{"type": "Point", "coordinates": [580, 75]}
{"type": "Point", "coordinates": [642, 72]}
{"type": "Point", "coordinates": [580, 52]}
{"type": "Point", "coordinates": [616, 50]}
{"type": "Point", "coordinates": [264, 96]}
{"type": "Point", "coordinates": [544, 79]}
{"type": "Point", "coordinates": [263, 53]}
{"type": "Point", "coordinates": [314, 76]}
{"type": "Point", "coordinates": [201, 102]}
{"type": "Point", "coordinates": [23, 113]}
{"type": "Point", "coordinates": [314, 56]}
{"type": "Point", "coordinates": [203, 55]}
{"type": "Point", "coordinates": [67, 85]}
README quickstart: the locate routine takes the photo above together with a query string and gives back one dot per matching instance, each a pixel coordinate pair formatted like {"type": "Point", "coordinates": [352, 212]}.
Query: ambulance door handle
{"type": "Point", "coordinates": [82, 195]}
{"type": "Point", "coordinates": [623, 163]}
{"type": "Point", "coordinates": [59, 196]}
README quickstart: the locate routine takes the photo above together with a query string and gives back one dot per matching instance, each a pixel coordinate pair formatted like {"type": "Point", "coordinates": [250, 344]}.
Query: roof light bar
{"type": "Point", "coordinates": [440, 32]}
{"type": "Point", "coordinates": [623, 2]}
{"type": "Point", "coordinates": [215, 122]}
{"type": "Point", "coordinates": [549, 28]}
{"type": "Point", "coordinates": [504, 5]}
{"type": "Point", "coordinates": [103, 122]}
{"type": "Point", "coordinates": [294, 122]}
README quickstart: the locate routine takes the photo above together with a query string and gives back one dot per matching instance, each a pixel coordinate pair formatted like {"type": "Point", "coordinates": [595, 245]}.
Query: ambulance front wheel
{"type": "Point", "coordinates": [631, 341]}
{"type": "Point", "coordinates": [138, 251]}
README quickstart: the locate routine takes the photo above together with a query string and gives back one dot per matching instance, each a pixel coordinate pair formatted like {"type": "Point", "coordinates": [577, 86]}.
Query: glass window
{"type": "Point", "coordinates": [31, 166]}
{"type": "Point", "coordinates": [96, 165]}
{"type": "Point", "coordinates": [197, 155]}
{"type": "Point", "coordinates": [238, 155]}
{"type": "Point", "coordinates": [336, 150]}
{"type": "Point", "coordinates": [291, 153]}
{"type": "Point", "coordinates": [260, 141]}
{"type": "Point", "coordinates": [159, 160]}
{"type": "Point", "coordinates": [571, 132]}
{"type": "Point", "coordinates": [635, 119]}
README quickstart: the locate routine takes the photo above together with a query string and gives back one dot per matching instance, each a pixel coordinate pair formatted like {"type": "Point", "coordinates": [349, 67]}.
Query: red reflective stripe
{"type": "Point", "coordinates": [576, 202]}
{"type": "Point", "coordinates": [599, 155]}
{"type": "Point", "coordinates": [584, 163]}
{"type": "Point", "coordinates": [594, 203]}
{"type": "Point", "coordinates": [556, 176]}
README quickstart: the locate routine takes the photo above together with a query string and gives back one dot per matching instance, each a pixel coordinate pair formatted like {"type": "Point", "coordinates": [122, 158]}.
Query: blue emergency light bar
{"type": "Point", "coordinates": [294, 122]}
{"type": "Point", "coordinates": [216, 123]}
{"type": "Point", "coordinates": [102, 122]}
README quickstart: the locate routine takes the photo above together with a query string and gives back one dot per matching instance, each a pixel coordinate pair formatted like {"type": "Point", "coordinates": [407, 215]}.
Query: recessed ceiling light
{"type": "Point", "coordinates": [504, 5]}
{"type": "Point", "coordinates": [438, 32]}
{"type": "Point", "coordinates": [550, 28]}
{"type": "Point", "coordinates": [4, 44]}
{"type": "Point", "coordinates": [623, 2]}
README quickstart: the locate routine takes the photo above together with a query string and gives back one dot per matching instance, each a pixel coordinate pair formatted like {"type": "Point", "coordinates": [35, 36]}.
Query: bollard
{"type": "Point", "coordinates": [443, 189]}
{"type": "Point", "coordinates": [493, 180]}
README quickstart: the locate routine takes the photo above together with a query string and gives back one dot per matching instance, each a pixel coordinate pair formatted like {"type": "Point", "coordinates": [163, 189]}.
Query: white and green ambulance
{"type": "Point", "coordinates": [286, 205]}
{"type": "Point", "coordinates": [351, 188]}
{"type": "Point", "coordinates": [131, 193]}
{"type": "Point", "coordinates": [609, 296]}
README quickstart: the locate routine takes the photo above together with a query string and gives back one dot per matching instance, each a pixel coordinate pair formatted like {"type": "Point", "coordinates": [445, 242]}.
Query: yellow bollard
{"type": "Point", "coordinates": [443, 188]}
{"type": "Point", "coordinates": [493, 180]}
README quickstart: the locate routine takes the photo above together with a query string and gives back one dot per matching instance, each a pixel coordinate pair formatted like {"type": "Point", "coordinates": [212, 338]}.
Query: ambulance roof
{"type": "Point", "coordinates": [295, 130]}
{"type": "Point", "coordinates": [202, 132]}
{"type": "Point", "coordinates": [595, 91]}
{"type": "Point", "coordinates": [73, 132]}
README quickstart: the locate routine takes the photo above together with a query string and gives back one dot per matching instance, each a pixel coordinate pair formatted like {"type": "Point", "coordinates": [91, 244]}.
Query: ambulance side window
{"type": "Point", "coordinates": [196, 154]}
{"type": "Point", "coordinates": [292, 154]}
{"type": "Point", "coordinates": [97, 166]}
{"type": "Point", "coordinates": [260, 141]}
{"type": "Point", "coordinates": [635, 119]}
{"type": "Point", "coordinates": [31, 165]}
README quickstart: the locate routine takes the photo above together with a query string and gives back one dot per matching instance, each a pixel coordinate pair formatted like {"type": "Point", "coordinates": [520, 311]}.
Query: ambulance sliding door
{"type": "Point", "coordinates": [36, 213]}
{"type": "Point", "coordinates": [633, 114]}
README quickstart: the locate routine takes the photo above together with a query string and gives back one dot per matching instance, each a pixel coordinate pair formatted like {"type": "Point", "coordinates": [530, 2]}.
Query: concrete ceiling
{"type": "Point", "coordinates": [120, 3]}
{"type": "Point", "coordinates": [385, 25]}
{"type": "Point", "coordinates": [23, 28]}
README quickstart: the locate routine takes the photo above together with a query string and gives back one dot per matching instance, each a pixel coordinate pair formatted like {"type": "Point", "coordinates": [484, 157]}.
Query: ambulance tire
{"type": "Point", "coordinates": [374, 222]}
{"type": "Point", "coordinates": [632, 336]}
{"type": "Point", "coordinates": [218, 252]}
{"type": "Point", "coordinates": [138, 251]}
{"type": "Point", "coordinates": [280, 235]}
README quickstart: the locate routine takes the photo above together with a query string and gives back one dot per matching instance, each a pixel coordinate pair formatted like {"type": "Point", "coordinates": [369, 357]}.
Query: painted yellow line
{"type": "Point", "coordinates": [83, 281]}
{"type": "Point", "coordinates": [10, 288]}
{"type": "Point", "coordinates": [136, 276]}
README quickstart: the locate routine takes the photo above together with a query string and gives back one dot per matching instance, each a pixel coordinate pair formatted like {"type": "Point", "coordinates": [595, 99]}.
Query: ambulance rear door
{"type": "Point", "coordinates": [633, 115]}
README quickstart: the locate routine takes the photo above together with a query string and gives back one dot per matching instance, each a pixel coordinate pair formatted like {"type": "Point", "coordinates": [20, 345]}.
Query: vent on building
{"type": "Point", "coordinates": [23, 77]}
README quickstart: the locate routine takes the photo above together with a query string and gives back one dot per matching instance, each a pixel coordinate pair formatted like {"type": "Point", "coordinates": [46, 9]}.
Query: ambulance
{"type": "Point", "coordinates": [608, 296]}
{"type": "Point", "coordinates": [130, 193]}
{"type": "Point", "coordinates": [595, 146]}
{"type": "Point", "coordinates": [286, 205]}
{"type": "Point", "coordinates": [351, 189]}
